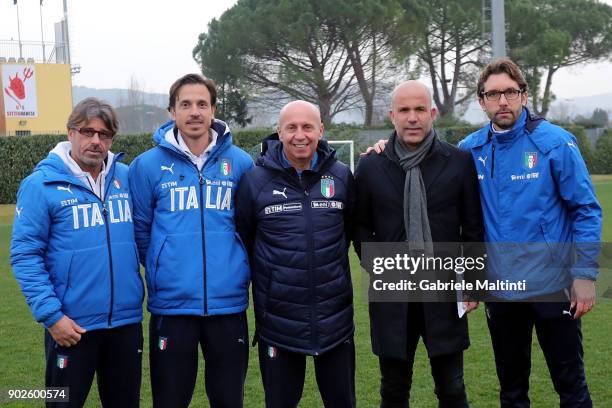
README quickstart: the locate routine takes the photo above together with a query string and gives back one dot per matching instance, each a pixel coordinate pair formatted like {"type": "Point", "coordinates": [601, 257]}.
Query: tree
{"type": "Point", "coordinates": [368, 29]}
{"type": "Point", "coordinates": [547, 35]}
{"type": "Point", "coordinates": [603, 164]}
{"type": "Point", "coordinates": [232, 107]}
{"type": "Point", "coordinates": [449, 46]}
{"type": "Point", "coordinates": [285, 49]}
{"type": "Point", "coordinates": [141, 118]}
{"type": "Point", "coordinates": [232, 91]}
{"type": "Point", "coordinates": [600, 117]}
{"type": "Point", "coordinates": [134, 95]}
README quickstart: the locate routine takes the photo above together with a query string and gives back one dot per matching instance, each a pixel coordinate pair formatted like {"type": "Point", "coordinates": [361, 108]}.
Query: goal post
{"type": "Point", "coordinates": [346, 157]}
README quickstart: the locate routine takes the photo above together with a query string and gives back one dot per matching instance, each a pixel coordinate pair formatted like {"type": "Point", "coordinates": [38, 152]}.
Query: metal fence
{"type": "Point", "coordinates": [33, 52]}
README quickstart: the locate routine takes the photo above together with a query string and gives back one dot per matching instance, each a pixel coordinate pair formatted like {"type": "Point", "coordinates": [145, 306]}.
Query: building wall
{"type": "Point", "coordinates": [54, 97]}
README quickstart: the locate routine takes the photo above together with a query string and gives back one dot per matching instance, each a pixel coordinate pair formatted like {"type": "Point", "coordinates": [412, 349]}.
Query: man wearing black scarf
{"type": "Point", "coordinates": [421, 190]}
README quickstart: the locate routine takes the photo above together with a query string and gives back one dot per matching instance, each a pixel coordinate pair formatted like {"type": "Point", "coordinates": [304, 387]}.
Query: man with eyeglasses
{"type": "Point", "coordinates": [74, 256]}
{"type": "Point", "coordinates": [542, 226]}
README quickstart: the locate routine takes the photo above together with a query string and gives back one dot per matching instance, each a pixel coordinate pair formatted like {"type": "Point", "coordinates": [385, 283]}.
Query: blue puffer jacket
{"type": "Point", "coordinates": [184, 223]}
{"type": "Point", "coordinates": [296, 231]}
{"type": "Point", "coordinates": [74, 254]}
{"type": "Point", "coordinates": [537, 197]}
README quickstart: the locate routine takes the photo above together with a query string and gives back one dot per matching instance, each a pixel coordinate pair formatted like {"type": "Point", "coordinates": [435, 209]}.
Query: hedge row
{"type": "Point", "coordinates": [19, 155]}
{"type": "Point", "coordinates": [602, 160]}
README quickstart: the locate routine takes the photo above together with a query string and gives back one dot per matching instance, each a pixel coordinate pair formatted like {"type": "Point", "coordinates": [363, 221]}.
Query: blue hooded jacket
{"type": "Point", "coordinates": [184, 224]}
{"type": "Point", "coordinates": [539, 206]}
{"type": "Point", "coordinates": [74, 254]}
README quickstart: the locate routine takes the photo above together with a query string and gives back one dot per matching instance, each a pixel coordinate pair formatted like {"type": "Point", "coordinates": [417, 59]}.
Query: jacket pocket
{"type": "Point", "coordinates": [128, 286]}
{"type": "Point", "coordinates": [152, 265]}
{"type": "Point", "coordinates": [267, 298]}
{"type": "Point", "coordinates": [560, 252]}
{"type": "Point", "coordinates": [88, 289]}
{"type": "Point", "coordinates": [179, 269]}
{"type": "Point", "coordinates": [227, 270]}
{"type": "Point", "coordinates": [59, 271]}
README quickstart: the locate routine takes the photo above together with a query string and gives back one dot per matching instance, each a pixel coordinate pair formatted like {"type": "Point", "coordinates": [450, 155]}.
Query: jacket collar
{"type": "Point", "coordinates": [530, 123]}
{"type": "Point", "coordinates": [56, 171]}
{"type": "Point", "coordinates": [224, 138]}
{"type": "Point", "coordinates": [431, 166]}
{"type": "Point", "coordinates": [271, 154]}
{"type": "Point", "coordinates": [437, 147]}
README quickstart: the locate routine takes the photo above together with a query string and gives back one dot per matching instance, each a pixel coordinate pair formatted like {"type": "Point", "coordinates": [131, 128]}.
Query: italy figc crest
{"type": "Point", "coordinates": [531, 159]}
{"type": "Point", "coordinates": [62, 361]}
{"type": "Point", "coordinates": [327, 186]}
{"type": "Point", "coordinates": [226, 167]}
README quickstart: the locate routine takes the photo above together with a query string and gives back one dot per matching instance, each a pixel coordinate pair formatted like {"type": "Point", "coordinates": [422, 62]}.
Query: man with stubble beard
{"type": "Point", "coordinates": [196, 267]}
{"type": "Point", "coordinates": [539, 206]}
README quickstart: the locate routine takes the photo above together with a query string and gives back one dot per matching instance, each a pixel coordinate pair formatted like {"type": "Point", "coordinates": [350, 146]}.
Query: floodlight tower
{"type": "Point", "coordinates": [498, 29]}
{"type": "Point", "coordinates": [67, 39]}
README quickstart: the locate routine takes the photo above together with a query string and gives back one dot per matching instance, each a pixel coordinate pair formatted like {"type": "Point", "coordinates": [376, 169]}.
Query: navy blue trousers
{"type": "Point", "coordinates": [114, 355]}
{"type": "Point", "coordinates": [446, 370]}
{"type": "Point", "coordinates": [283, 373]}
{"type": "Point", "coordinates": [173, 345]}
{"type": "Point", "coordinates": [511, 327]}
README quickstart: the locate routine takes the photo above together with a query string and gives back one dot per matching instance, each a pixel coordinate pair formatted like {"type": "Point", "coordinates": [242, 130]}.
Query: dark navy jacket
{"type": "Point", "coordinates": [295, 229]}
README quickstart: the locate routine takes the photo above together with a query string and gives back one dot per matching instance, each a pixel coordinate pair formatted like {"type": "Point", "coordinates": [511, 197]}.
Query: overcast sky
{"type": "Point", "coordinates": [153, 40]}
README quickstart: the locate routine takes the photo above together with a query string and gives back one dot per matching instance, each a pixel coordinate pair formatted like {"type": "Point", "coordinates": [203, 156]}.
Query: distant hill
{"type": "Point", "coordinates": [145, 116]}
{"type": "Point", "coordinates": [585, 105]}
{"type": "Point", "coordinates": [562, 108]}
{"type": "Point", "coordinates": [140, 118]}
{"type": "Point", "coordinates": [119, 97]}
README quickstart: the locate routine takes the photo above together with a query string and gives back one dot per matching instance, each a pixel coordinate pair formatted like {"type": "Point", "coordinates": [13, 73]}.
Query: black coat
{"type": "Point", "coordinates": [455, 215]}
{"type": "Point", "coordinates": [296, 235]}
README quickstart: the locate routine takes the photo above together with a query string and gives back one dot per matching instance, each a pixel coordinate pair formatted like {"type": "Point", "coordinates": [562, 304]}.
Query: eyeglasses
{"type": "Point", "coordinates": [90, 132]}
{"type": "Point", "coordinates": [510, 94]}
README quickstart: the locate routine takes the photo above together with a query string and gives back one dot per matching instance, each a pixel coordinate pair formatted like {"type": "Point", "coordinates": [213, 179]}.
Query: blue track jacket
{"type": "Point", "coordinates": [74, 254]}
{"type": "Point", "coordinates": [184, 223]}
{"type": "Point", "coordinates": [542, 219]}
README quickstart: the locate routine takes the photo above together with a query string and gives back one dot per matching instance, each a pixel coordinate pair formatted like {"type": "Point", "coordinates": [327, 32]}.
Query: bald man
{"type": "Point", "coordinates": [292, 213]}
{"type": "Point", "coordinates": [423, 191]}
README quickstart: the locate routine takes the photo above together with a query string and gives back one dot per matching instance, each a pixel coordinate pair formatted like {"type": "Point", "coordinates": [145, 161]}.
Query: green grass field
{"type": "Point", "coordinates": [22, 355]}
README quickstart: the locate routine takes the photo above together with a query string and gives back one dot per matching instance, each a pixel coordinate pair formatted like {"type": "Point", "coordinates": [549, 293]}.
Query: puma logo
{"type": "Point", "coordinates": [483, 160]}
{"type": "Point", "coordinates": [67, 188]}
{"type": "Point", "coordinates": [567, 312]}
{"type": "Point", "coordinates": [170, 169]}
{"type": "Point", "coordinates": [18, 211]}
{"type": "Point", "coordinates": [571, 144]}
{"type": "Point", "coordinates": [283, 193]}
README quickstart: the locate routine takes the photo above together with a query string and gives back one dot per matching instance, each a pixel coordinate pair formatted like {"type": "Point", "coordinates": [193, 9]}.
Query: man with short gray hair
{"type": "Point", "coordinates": [74, 256]}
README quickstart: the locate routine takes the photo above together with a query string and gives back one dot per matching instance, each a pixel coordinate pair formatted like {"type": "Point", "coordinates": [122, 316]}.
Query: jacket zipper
{"type": "Point", "coordinates": [110, 260]}
{"type": "Point", "coordinates": [202, 204]}
{"type": "Point", "coordinates": [310, 257]}
{"type": "Point", "coordinates": [110, 252]}
{"type": "Point", "coordinates": [202, 224]}
{"type": "Point", "coordinates": [492, 159]}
